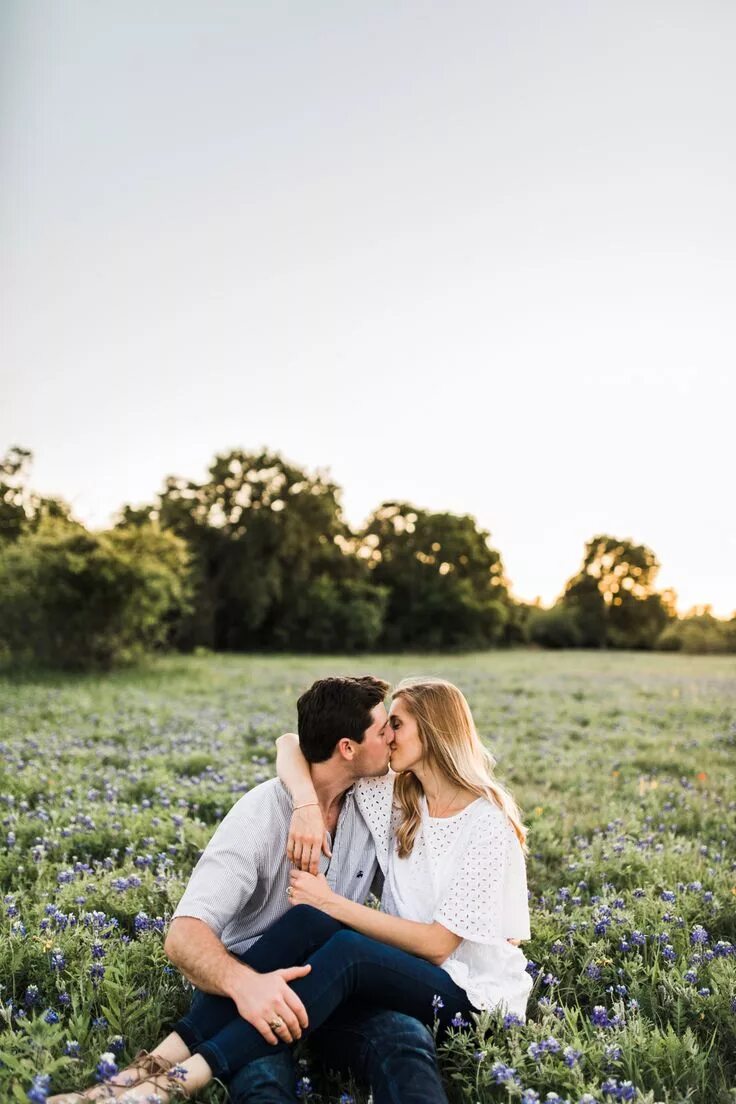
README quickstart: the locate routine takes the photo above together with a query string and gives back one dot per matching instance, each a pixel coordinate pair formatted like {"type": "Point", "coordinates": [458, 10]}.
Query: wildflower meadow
{"type": "Point", "coordinates": [624, 765]}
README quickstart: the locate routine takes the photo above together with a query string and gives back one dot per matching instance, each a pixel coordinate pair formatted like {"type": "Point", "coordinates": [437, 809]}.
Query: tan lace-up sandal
{"type": "Point", "coordinates": [149, 1065]}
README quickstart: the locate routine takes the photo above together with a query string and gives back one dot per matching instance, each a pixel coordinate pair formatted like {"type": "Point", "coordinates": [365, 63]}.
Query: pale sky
{"type": "Point", "coordinates": [480, 256]}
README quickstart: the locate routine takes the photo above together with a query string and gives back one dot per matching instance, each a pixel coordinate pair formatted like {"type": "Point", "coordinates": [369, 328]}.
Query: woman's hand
{"type": "Point", "coordinates": [307, 837]}
{"type": "Point", "coordinates": [310, 889]}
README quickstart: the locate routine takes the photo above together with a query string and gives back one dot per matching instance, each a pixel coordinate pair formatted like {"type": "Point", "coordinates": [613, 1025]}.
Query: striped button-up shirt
{"type": "Point", "coordinates": [238, 887]}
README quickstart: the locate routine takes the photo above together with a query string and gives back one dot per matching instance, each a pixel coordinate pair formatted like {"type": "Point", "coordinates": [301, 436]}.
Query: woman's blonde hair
{"type": "Point", "coordinates": [451, 743]}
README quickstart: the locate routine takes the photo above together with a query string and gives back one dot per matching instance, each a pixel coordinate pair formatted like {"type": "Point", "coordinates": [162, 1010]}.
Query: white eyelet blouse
{"type": "Point", "coordinates": [466, 872]}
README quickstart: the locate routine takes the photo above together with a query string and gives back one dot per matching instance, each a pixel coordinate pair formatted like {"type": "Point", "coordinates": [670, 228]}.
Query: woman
{"type": "Point", "coordinates": [451, 845]}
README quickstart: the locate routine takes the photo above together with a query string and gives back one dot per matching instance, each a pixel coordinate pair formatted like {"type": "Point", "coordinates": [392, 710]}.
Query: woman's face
{"type": "Point", "coordinates": [405, 745]}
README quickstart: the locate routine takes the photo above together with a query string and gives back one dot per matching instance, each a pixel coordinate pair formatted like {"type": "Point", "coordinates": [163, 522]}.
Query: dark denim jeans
{"type": "Point", "coordinates": [344, 964]}
{"type": "Point", "coordinates": [392, 1053]}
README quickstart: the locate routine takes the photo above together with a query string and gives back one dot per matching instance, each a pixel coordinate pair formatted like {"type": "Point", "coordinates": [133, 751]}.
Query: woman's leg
{"type": "Point", "coordinates": [288, 942]}
{"type": "Point", "coordinates": [349, 964]}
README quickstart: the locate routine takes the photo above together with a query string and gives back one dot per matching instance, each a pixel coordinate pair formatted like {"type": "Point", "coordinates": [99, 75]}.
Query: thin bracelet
{"type": "Point", "coordinates": [305, 805]}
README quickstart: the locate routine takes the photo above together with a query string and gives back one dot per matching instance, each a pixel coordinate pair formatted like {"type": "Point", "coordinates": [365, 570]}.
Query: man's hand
{"type": "Point", "coordinates": [262, 999]}
{"type": "Point", "coordinates": [310, 889]}
{"type": "Point", "coordinates": [307, 837]}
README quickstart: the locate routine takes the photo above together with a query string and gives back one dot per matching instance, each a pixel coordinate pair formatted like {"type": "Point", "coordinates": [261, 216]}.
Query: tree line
{"type": "Point", "coordinates": [258, 557]}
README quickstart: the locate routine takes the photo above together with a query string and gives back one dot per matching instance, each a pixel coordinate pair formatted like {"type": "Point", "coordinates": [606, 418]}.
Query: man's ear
{"type": "Point", "coordinates": [346, 748]}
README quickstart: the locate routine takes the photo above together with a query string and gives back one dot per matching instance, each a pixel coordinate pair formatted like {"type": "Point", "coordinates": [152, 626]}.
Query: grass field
{"type": "Point", "coordinates": [624, 765]}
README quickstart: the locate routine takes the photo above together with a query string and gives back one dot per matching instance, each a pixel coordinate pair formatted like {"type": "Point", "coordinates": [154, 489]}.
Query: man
{"type": "Point", "coordinates": [238, 889]}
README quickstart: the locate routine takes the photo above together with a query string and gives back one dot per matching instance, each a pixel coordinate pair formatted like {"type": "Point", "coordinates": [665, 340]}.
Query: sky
{"type": "Point", "coordinates": [480, 257]}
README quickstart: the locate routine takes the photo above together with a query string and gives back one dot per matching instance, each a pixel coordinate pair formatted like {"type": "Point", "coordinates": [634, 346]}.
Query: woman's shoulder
{"type": "Point", "coordinates": [380, 787]}
{"type": "Point", "coordinates": [491, 822]}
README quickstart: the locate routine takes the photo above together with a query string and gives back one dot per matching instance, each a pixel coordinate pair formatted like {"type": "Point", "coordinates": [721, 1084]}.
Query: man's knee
{"type": "Point", "coordinates": [269, 1080]}
{"type": "Point", "coordinates": [398, 1031]}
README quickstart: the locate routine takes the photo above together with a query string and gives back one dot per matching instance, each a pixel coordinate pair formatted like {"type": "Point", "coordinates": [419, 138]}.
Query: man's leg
{"type": "Point", "coordinates": [391, 1052]}
{"type": "Point", "coordinates": [348, 965]}
{"type": "Point", "coordinates": [269, 1080]}
{"type": "Point", "coordinates": [288, 942]}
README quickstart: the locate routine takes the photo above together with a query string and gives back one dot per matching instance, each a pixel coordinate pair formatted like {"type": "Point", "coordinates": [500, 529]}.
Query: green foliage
{"type": "Point", "coordinates": [612, 598]}
{"type": "Point", "coordinates": [268, 542]}
{"type": "Point", "coordinates": [554, 628]}
{"type": "Point", "coordinates": [327, 612]}
{"type": "Point", "coordinates": [71, 598]}
{"type": "Point", "coordinates": [700, 633]}
{"type": "Point", "coordinates": [21, 510]}
{"type": "Point", "coordinates": [445, 583]}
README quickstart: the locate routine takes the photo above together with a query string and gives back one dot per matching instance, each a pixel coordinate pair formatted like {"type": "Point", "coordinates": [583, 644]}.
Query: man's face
{"type": "Point", "coordinates": [372, 755]}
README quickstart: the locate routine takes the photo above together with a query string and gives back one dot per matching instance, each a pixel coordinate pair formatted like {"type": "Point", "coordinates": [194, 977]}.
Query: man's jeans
{"type": "Point", "coordinates": [389, 1051]}
{"type": "Point", "coordinates": [345, 965]}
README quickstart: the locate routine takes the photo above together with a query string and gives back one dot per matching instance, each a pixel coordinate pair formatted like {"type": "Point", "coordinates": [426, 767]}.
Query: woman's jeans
{"type": "Point", "coordinates": [344, 964]}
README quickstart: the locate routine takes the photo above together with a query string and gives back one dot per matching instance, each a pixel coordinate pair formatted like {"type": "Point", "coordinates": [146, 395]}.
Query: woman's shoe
{"type": "Point", "coordinates": [152, 1065]}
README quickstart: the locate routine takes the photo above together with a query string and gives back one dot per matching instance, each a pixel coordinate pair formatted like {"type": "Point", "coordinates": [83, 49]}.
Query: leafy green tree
{"type": "Point", "coordinates": [445, 582]}
{"type": "Point", "coordinates": [613, 598]}
{"type": "Point", "coordinates": [20, 509]}
{"type": "Point", "coordinates": [75, 599]}
{"type": "Point", "coordinates": [267, 540]}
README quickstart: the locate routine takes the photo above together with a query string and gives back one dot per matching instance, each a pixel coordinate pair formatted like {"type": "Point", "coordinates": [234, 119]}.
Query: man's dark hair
{"type": "Point", "coordinates": [333, 708]}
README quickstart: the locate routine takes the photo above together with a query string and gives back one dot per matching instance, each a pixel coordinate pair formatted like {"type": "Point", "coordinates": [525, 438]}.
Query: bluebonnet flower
{"type": "Point", "coordinates": [699, 935]}
{"type": "Point", "coordinates": [623, 1090]}
{"type": "Point", "coordinates": [638, 938]}
{"type": "Point", "coordinates": [512, 1020]}
{"type": "Point", "coordinates": [593, 971]}
{"type": "Point", "coordinates": [530, 1096]}
{"type": "Point", "coordinates": [304, 1087]}
{"type": "Point", "coordinates": [690, 976]}
{"type": "Point", "coordinates": [346, 1098]}
{"type": "Point", "coordinates": [502, 1073]}
{"type": "Point", "coordinates": [107, 1066]}
{"type": "Point", "coordinates": [599, 1016]}
{"type": "Point", "coordinates": [117, 1044]}
{"type": "Point", "coordinates": [50, 1016]}
{"type": "Point", "coordinates": [437, 1002]}
{"type": "Point", "coordinates": [64, 999]}
{"type": "Point", "coordinates": [39, 1089]}
{"type": "Point", "coordinates": [613, 1053]}
{"type": "Point", "coordinates": [458, 1021]}
{"type": "Point", "coordinates": [667, 895]}
{"type": "Point", "coordinates": [668, 953]}
{"type": "Point", "coordinates": [58, 962]}
{"type": "Point", "coordinates": [532, 968]}
{"type": "Point", "coordinates": [704, 992]}
{"type": "Point", "coordinates": [71, 1048]}
{"type": "Point", "coordinates": [31, 996]}
{"type": "Point", "coordinates": [558, 947]}
{"type": "Point", "coordinates": [571, 1056]}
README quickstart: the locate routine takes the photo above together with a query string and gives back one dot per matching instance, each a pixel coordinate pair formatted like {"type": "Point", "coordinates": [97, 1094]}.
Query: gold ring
{"type": "Point", "coordinates": [276, 1023]}
{"type": "Point", "coordinates": [289, 891]}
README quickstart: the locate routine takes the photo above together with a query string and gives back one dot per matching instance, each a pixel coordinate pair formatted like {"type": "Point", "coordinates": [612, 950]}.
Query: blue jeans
{"type": "Point", "coordinates": [344, 964]}
{"type": "Point", "coordinates": [389, 1051]}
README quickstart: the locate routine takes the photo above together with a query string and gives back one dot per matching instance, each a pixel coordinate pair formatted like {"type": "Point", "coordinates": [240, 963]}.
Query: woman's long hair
{"type": "Point", "coordinates": [452, 745]}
